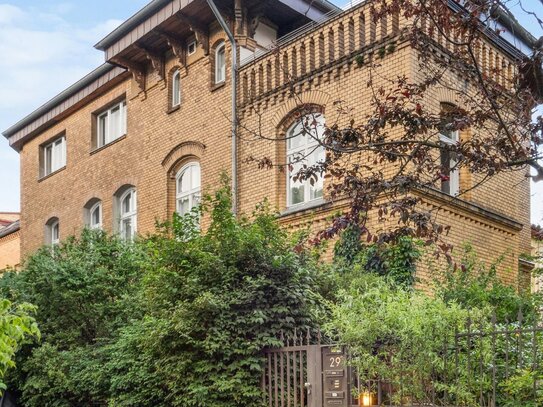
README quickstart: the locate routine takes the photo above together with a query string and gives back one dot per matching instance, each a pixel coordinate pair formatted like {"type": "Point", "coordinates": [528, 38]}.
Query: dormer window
{"type": "Point", "coordinates": [191, 48]}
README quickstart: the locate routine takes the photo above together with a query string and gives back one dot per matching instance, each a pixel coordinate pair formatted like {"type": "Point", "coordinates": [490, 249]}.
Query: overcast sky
{"type": "Point", "coordinates": [47, 45]}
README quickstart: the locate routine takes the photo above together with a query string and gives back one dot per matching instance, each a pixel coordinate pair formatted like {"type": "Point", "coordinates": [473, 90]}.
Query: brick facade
{"type": "Point", "coordinates": [322, 65]}
{"type": "Point", "coordinates": [10, 241]}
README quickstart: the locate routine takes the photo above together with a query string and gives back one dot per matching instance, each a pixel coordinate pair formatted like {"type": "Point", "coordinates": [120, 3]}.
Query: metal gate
{"type": "Point", "coordinates": [305, 375]}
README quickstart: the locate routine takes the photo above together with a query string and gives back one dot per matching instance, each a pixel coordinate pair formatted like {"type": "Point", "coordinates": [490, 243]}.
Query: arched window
{"type": "Point", "coordinates": [52, 232]}
{"type": "Point", "coordinates": [128, 214]}
{"type": "Point", "coordinates": [303, 148]}
{"type": "Point", "coordinates": [176, 88]}
{"type": "Point", "coordinates": [95, 216]}
{"type": "Point", "coordinates": [220, 63]}
{"type": "Point", "coordinates": [188, 188]}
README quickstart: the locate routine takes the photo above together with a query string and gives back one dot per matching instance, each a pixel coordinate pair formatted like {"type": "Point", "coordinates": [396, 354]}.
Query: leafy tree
{"type": "Point", "coordinates": [397, 260]}
{"type": "Point", "coordinates": [178, 318]}
{"type": "Point", "coordinates": [214, 302]}
{"type": "Point", "coordinates": [474, 285]}
{"type": "Point", "coordinates": [84, 290]}
{"type": "Point", "coordinates": [17, 325]}
{"type": "Point", "coordinates": [397, 335]}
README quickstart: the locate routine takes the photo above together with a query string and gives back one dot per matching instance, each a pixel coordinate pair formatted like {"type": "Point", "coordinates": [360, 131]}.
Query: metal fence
{"type": "Point", "coordinates": [485, 364]}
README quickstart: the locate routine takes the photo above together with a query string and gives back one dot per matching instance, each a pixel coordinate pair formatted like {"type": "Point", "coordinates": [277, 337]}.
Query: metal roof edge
{"type": "Point", "coordinates": [154, 5]}
{"type": "Point", "coordinates": [65, 94]}
{"type": "Point", "coordinates": [10, 229]}
{"type": "Point", "coordinates": [508, 19]}
{"type": "Point", "coordinates": [128, 24]}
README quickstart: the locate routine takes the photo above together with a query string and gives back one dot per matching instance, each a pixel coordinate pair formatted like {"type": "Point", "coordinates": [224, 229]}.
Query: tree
{"type": "Point", "coordinates": [177, 318]}
{"type": "Point", "coordinates": [383, 161]}
{"type": "Point", "coordinates": [17, 325]}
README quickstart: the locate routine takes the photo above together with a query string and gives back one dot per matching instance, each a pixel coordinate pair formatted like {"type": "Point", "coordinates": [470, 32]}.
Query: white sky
{"type": "Point", "coordinates": [47, 45]}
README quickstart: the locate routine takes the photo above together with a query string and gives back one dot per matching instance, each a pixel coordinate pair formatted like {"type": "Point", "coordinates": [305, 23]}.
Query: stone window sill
{"type": "Point", "coordinates": [315, 204]}
{"type": "Point", "coordinates": [97, 150]}
{"type": "Point", "coordinates": [51, 174]}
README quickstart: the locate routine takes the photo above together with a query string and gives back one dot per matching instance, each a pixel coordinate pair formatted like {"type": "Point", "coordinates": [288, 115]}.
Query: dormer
{"type": "Point", "coordinates": [178, 25]}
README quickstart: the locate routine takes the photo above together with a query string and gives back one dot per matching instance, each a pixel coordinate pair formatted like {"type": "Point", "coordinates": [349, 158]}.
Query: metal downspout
{"type": "Point", "coordinates": [224, 26]}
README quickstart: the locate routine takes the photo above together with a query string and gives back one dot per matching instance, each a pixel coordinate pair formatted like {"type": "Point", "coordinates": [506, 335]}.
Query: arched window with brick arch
{"type": "Point", "coordinates": [303, 138]}
{"type": "Point", "coordinates": [175, 89]}
{"type": "Point", "coordinates": [52, 232]}
{"type": "Point", "coordinates": [182, 166]}
{"type": "Point", "coordinates": [94, 214]}
{"type": "Point", "coordinates": [126, 212]}
{"type": "Point", "coordinates": [188, 184]}
{"type": "Point", "coordinates": [220, 63]}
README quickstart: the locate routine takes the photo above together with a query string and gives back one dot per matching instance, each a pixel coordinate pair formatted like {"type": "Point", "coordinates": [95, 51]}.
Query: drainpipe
{"type": "Point", "coordinates": [225, 27]}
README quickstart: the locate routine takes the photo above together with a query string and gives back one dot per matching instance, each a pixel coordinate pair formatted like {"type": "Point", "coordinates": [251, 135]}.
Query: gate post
{"type": "Point", "coordinates": [314, 376]}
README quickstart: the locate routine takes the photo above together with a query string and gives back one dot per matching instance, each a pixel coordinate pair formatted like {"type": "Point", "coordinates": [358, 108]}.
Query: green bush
{"type": "Point", "coordinates": [179, 318]}
{"type": "Point", "coordinates": [397, 335]}
{"type": "Point", "coordinates": [17, 325]}
{"type": "Point", "coordinates": [472, 284]}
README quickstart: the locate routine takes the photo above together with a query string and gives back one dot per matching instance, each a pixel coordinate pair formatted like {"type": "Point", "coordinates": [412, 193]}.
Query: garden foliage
{"type": "Point", "coordinates": [179, 318]}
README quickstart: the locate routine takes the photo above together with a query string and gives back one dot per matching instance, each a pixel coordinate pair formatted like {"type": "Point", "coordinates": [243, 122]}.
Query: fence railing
{"type": "Point", "coordinates": [487, 364]}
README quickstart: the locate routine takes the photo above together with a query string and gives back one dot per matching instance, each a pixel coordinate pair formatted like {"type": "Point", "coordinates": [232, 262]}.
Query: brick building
{"type": "Point", "coordinates": [10, 240]}
{"type": "Point", "coordinates": [142, 135]}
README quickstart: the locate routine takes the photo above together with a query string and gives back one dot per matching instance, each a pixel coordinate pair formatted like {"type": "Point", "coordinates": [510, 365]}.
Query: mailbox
{"type": "Point", "coordinates": [337, 380]}
{"type": "Point", "coordinates": [335, 377]}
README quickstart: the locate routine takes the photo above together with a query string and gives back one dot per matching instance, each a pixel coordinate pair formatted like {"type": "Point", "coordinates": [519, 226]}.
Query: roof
{"type": "Point", "coordinates": [129, 24]}
{"type": "Point", "coordinates": [156, 5]}
{"type": "Point", "coordinates": [46, 115]}
{"type": "Point", "coordinates": [10, 229]}
{"type": "Point", "coordinates": [38, 117]}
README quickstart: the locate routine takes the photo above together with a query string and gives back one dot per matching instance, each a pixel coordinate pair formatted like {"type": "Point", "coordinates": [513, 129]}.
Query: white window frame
{"type": "Point", "coordinates": [52, 230]}
{"type": "Point", "coordinates": [454, 173]}
{"type": "Point", "coordinates": [131, 214]}
{"type": "Point", "coordinates": [176, 93]}
{"type": "Point", "coordinates": [220, 70]}
{"type": "Point", "coordinates": [193, 194]}
{"type": "Point", "coordinates": [192, 45]}
{"type": "Point", "coordinates": [104, 134]}
{"type": "Point", "coordinates": [54, 156]}
{"type": "Point", "coordinates": [93, 208]}
{"type": "Point", "coordinates": [311, 146]}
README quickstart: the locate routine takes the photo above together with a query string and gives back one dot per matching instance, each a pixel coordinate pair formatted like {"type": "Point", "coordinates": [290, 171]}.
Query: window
{"type": "Point", "coordinates": [188, 186]}
{"type": "Point", "coordinates": [176, 88]}
{"type": "Point", "coordinates": [303, 148]}
{"type": "Point", "coordinates": [220, 63]}
{"type": "Point", "coordinates": [128, 214]}
{"type": "Point", "coordinates": [450, 183]}
{"type": "Point", "coordinates": [52, 232]}
{"type": "Point", "coordinates": [191, 48]}
{"type": "Point", "coordinates": [111, 124]}
{"type": "Point", "coordinates": [53, 156]}
{"type": "Point", "coordinates": [95, 216]}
